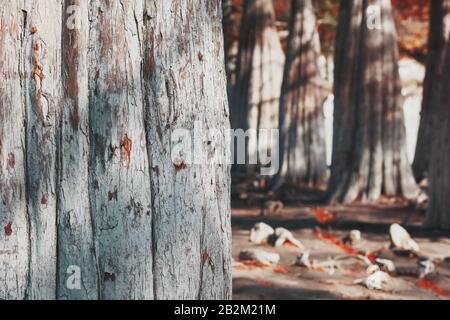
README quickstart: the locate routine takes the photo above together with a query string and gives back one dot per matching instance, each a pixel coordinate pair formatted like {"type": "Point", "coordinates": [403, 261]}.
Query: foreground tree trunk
{"type": "Point", "coordinates": [370, 158]}
{"type": "Point", "coordinates": [437, 43]}
{"type": "Point", "coordinates": [259, 75]}
{"type": "Point", "coordinates": [186, 87]}
{"type": "Point", "coordinates": [302, 147]}
{"type": "Point", "coordinates": [92, 204]}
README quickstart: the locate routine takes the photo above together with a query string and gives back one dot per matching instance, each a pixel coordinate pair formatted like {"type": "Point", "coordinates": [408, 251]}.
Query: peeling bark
{"type": "Point", "coordinates": [86, 175]}
{"type": "Point", "coordinates": [370, 158]}
{"type": "Point", "coordinates": [302, 138]}
{"type": "Point", "coordinates": [437, 42]}
{"type": "Point", "coordinates": [75, 231]}
{"type": "Point", "coordinates": [14, 227]}
{"type": "Point", "coordinates": [42, 85]}
{"type": "Point", "coordinates": [185, 84]}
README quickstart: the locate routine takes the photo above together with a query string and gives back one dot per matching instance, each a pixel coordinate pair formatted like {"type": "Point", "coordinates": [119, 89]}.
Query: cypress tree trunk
{"type": "Point", "coordinates": [437, 42]}
{"type": "Point", "coordinates": [370, 158]}
{"type": "Point", "coordinates": [75, 229]}
{"type": "Point", "coordinates": [259, 74]}
{"type": "Point", "coordinates": [42, 89]}
{"type": "Point", "coordinates": [302, 147]}
{"type": "Point", "coordinates": [14, 222]}
{"type": "Point", "coordinates": [438, 215]}
{"type": "Point", "coordinates": [89, 99]}
{"type": "Point", "coordinates": [185, 86]}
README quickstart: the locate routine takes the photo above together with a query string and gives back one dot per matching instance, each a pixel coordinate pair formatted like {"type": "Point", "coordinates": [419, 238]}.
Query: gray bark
{"type": "Point", "coordinates": [370, 158]}
{"type": "Point", "coordinates": [86, 175]}
{"type": "Point", "coordinates": [14, 223]}
{"type": "Point", "coordinates": [437, 42]}
{"type": "Point", "coordinates": [302, 147]}
{"type": "Point", "coordinates": [75, 231]}
{"type": "Point", "coordinates": [192, 232]}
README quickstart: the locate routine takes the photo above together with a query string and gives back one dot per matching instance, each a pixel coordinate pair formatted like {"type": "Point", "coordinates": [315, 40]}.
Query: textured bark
{"type": "Point", "coordinates": [86, 175]}
{"type": "Point", "coordinates": [42, 61]}
{"type": "Point", "coordinates": [259, 74]}
{"type": "Point", "coordinates": [75, 232]}
{"type": "Point", "coordinates": [186, 84]}
{"type": "Point", "coordinates": [370, 158]}
{"type": "Point", "coordinates": [14, 223]}
{"type": "Point", "coordinates": [302, 147]}
{"type": "Point", "coordinates": [437, 42]}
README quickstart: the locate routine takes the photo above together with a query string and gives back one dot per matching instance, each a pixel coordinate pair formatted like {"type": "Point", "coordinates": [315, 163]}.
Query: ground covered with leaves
{"type": "Point", "coordinates": [337, 267]}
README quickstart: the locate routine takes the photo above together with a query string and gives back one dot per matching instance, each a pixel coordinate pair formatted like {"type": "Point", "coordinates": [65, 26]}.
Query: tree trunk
{"type": "Point", "coordinates": [87, 183]}
{"type": "Point", "coordinates": [437, 42]}
{"type": "Point", "coordinates": [75, 229]}
{"type": "Point", "coordinates": [229, 32]}
{"type": "Point", "coordinates": [370, 158]}
{"type": "Point", "coordinates": [186, 86]}
{"type": "Point", "coordinates": [259, 75]}
{"type": "Point", "coordinates": [302, 146]}
{"type": "Point", "coordinates": [438, 215]}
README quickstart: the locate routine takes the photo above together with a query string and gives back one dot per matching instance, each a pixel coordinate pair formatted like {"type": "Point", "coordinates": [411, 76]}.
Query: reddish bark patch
{"type": "Point", "coordinates": [205, 258]}
{"type": "Point", "coordinates": [8, 229]}
{"type": "Point", "coordinates": [126, 146]}
{"type": "Point", "coordinates": [11, 161]}
{"type": "Point", "coordinates": [433, 287]}
{"type": "Point", "coordinates": [109, 277]}
{"type": "Point", "coordinates": [200, 56]}
{"type": "Point", "coordinates": [36, 46]}
{"type": "Point", "coordinates": [179, 166]}
{"type": "Point", "coordinates": [44, 200]}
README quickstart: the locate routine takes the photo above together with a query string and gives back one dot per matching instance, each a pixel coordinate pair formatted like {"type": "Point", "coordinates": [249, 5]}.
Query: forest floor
{"type": "Point", "coordinates": [287, 281]}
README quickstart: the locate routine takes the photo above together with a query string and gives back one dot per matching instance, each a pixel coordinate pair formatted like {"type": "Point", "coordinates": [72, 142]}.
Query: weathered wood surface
{"type": "Point", "coordinates": [90, 94]}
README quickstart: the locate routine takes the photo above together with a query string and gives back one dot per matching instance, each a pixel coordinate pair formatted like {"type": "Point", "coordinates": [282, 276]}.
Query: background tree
{"type": "Point", "coordinates": [438, 215]}
{"type": "Point", "coordinates": [437, 44]}
{"type": "Point", "coordinates": [259, 73]}
{"type": "Point", "coordinates": [370, 156]}
{"type": "Point", "coordinates": [230, 35]}
{"type": "Point", "coordinates": [88, 106]}
{"type": "Point", "coordinates": [302, 147]}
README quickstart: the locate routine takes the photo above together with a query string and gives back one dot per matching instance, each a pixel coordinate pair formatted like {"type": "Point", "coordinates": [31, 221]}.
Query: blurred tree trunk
{"type": "Point", "coordinates": [437, 43]}
{"type": "Point", "coordinates": [89, 99]}
{"type": "Point", "coordinates": [370, 158]}
{"type": "Point", "coordinates": [302, 138]}
{"type": "Point", "coordinates": [259, 74]}
{"type": "Point", "coordinates": [438, 215]}
{"type": "Point", "coordinates": [229, 32]}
